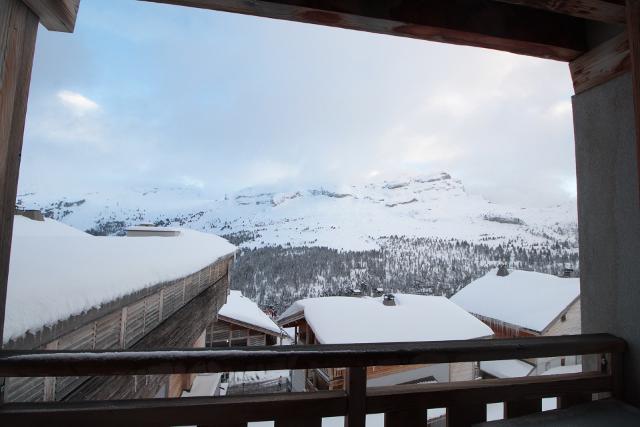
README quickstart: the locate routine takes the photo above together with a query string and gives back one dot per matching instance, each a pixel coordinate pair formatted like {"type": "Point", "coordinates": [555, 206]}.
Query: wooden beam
{"type": "Point", "coordinates": [31, 363]}
{"type": "Point", "coordinates": [595, 10]}
{"type": "Point", "coordinates": [633, 31]}
{"type": "Point", "coordinates": [227, 410]}
{"type": "Point", "coordinates": [462, 393]}
{"type": "Point", "coordinates": [18, 30]}
{"type": "Point", "coordinates": [480, 23]}
{"type": "Point", "coordinates": [600, 64]}
{"type": "Point", "coordinates": [56, 15]}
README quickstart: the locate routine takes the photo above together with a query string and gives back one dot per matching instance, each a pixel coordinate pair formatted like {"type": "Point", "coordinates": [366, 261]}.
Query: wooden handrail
{"type": "Point", "coordinates": [403, 405]}
{"type": "Point", "coordinates": [242, 409]}
{"type": "Point", "coordinates": [177, 411]}
{"type": "Point", "coordinates": [172, 361]}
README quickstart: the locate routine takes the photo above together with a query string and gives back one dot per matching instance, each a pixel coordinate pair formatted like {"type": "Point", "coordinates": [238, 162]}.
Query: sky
{"type": "Point", "coordinates": [144, 95]}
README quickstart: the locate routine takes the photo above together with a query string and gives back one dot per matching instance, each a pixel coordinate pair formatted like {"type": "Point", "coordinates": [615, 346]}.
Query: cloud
{"type": "Point", "coordinates": [560, 110]}
{"type": "Point", "coordinates": [76, 102]}
{"type": "Point", "coordinates": [326, 105]}
{"type": "Point", "coordinates": [190, 181]}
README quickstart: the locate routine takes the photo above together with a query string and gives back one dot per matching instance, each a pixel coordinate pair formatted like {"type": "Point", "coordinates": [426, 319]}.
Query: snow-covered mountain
{"type": "Point", "coordinates": [352, 217]}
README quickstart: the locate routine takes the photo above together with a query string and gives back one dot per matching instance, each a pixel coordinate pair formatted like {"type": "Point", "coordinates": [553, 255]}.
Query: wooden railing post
{"type": "Point", "coordinates": [356, 388]}
{"type": "Point", "coordinates": [413, 418]}
{"type": "Point", "coordinates": [465, 415]}
{"type": "Point", "coordinates": [520, 408]}
{"type": "Point", "coordinates": [614, 368]}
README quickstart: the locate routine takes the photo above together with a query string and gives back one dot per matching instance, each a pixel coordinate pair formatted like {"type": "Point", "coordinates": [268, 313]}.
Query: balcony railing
{"type": "Point", "coordinates": [404, 405]}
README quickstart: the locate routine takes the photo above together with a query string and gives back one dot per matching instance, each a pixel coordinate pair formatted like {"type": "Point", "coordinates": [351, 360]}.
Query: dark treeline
{"type": "Point", "coordinates": [277, 276]}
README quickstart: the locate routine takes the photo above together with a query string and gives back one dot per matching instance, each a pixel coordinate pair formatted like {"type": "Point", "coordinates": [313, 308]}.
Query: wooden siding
{"type": "Point", "coordinates": [126, 327]}
{"type": "Point", "coordinates": [221, 333]}
{"type": "Point", "coordinates": [567, 323]}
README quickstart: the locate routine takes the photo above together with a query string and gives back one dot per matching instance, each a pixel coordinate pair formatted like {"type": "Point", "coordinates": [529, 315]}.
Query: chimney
{"type": "Point", "coordinates": [389, 300]}
{"type": "Point", "coordinates": [33, 214]}
{"type": "Point", "coordinates": [503, 270]}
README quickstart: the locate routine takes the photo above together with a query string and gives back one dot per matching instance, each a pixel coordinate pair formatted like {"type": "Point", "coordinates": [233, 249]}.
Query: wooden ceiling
{"type": "Point", "coordinates": [542, 28]}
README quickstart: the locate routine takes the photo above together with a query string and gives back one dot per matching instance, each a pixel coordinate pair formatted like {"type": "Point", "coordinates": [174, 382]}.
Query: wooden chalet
{"type": "Point", "coordinates": [524, 304]}
{"type": "Point", "coordinates": [392, 318]}
{"type": "Point", "coordinates": [240, 323]}
{"type": "Point", "coordinates": [600, 42]}
{"type": "Point", "coordinates": [73, 291]}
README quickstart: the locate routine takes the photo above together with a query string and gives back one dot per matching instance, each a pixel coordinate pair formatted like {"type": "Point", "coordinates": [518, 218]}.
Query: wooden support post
{"type": "Point", "coordinates": [356, 388]}
{"type": "Point", "coordinates": [465, 415]}
{"type": "Point", "coordinates": [633, 34]}
{"type": "Point", "coordinates": [522, 407]}
{"type": "Point", "coordinates": [18, 30]}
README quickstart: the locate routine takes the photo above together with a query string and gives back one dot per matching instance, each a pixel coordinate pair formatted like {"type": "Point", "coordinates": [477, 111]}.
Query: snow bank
{"type": "Point", "coordinates": [341, 320]}
{"type": "Point", "coordinates": [567, 369]}
{"type": "Point", "coordinates": [506, 368]}
{"type": "Point", "coordinates": [57, 271]}
{"type": "Point", "coordinates": [244, 310]}
{"type": "Point", "coordinates": [524, 298]}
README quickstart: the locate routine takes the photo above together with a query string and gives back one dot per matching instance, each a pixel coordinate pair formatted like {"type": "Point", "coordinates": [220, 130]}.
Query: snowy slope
{"type": "Point", "coordinates": [351, 217]}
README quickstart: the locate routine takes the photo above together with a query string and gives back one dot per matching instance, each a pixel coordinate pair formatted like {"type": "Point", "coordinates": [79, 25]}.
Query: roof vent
{"type": "Point", "coordinates": [147, 230]}
{"type": "Point", "coordinates": [503, 270]}
{"type": "Point", "coordinates": [389, 300]}
{"type": "Point", "coordinates": [567, 272]}
{"type": "Point", "coordinates": [33, 214]}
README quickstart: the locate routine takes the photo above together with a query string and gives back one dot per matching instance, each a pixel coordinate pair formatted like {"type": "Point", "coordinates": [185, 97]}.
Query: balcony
{"type": "Point", "coordinates": [403, 405]}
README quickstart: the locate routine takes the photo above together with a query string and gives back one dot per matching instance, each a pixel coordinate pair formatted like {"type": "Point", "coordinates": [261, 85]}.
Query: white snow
{"type": "Point", "coordinates": [244, 310]}
{"type": "Point", "coordinates": [340, 320]}
{"type": "Point", "coordinates": [57, 271]}
{"type": "Point", "coordinates": [203, 385]}
{"type": "Point", "coordinates": [349, 217]}
{"type": "Point", "coordinates": [567, 369]}
{"type": "Point", "coordinates": [524, 298]}
{"type": "Point", "coordinates": [506, 368]}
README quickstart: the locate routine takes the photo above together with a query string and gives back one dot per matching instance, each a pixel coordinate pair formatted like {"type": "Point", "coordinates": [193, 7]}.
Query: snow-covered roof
{"type": "Point", "coordinates": [340, 320]}
{"type": "Point", "coordinates": [57, 271]}
{"type": "Point", "coordinates": [506, 368]}
{"type": "Point", "coordinates": [523, 298]}
{"type": "Point", "coordinates": [246, 311]}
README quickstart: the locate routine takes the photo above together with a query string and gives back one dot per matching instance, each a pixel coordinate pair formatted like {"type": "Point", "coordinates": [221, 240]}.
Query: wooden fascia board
{"type": "Point", "coordinates": [601, 63]}
{"type": "Point", "coordinates": [480, 23]}
{"type": "Point", "coordinates": [56, 15]}
{"type": "Point", "coordinates": [247, 325]}
{"type": "Point", "coordinates": [595, 10]}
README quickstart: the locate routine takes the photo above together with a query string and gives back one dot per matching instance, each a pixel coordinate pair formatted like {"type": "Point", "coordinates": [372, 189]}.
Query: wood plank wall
{"type": "Point", "coordinates": [140, 324]}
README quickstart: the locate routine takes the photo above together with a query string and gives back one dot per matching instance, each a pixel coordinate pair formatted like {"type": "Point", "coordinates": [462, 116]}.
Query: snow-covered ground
{"type": "Point", "coordinates": [342, 217]}
{"type": "Point", "coordinates": [57, 271]}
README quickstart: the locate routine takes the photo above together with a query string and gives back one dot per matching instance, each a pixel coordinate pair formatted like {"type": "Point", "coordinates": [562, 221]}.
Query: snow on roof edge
{"type": "Point", "coordinates": [51, 263]}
